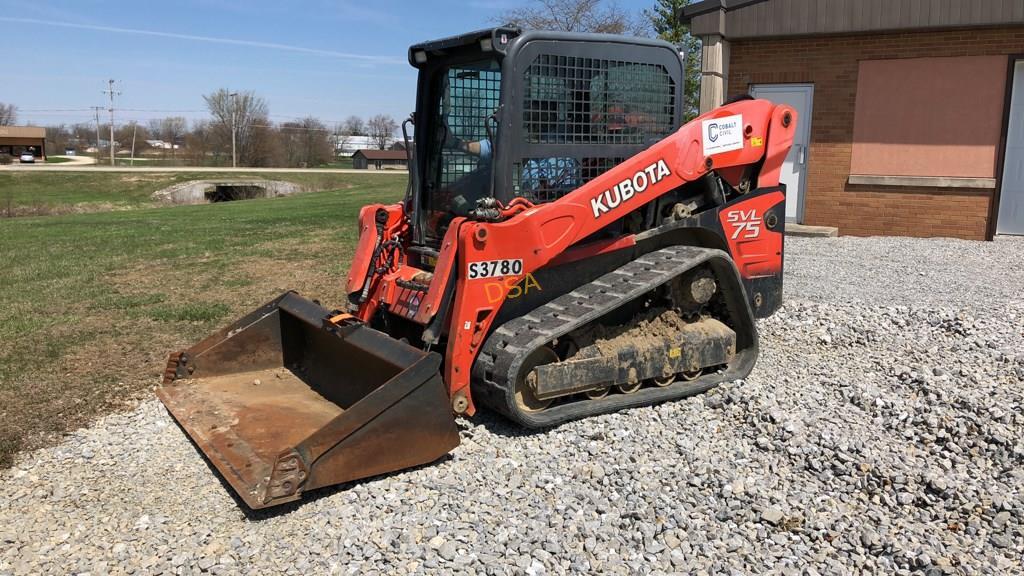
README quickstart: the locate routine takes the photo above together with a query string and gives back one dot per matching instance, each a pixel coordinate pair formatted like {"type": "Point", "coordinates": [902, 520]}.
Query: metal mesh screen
{"type": "Point", "coordinates": [473, 95]}
{"type": "Point", "coordinates": [572, 101]}
{"type": "Point", "coordinates": [576, 100]}
{"type": "Point", "coordinates": [461, 155]}
{"type": "Point", "coordinates": [542, 180]}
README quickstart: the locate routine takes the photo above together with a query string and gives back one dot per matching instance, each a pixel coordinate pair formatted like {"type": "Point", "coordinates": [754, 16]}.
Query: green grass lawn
{"type": "Point", "coordinates": [156, 161]}
{"type": "Point", "coordinates": [57, 159]}
{"type": "Point", "coordinates": [144, 161]}
{"type": "Point", "coordinates": [43, 193]}
{"type": "Point", "coordinates": [342, 162]}
{"type": "Point", "coordinates": [93, 302]}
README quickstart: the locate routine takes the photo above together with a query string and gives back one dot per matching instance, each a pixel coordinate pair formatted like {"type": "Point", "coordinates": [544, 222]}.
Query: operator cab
{"type": "Point", "coordinates": [503, 114]}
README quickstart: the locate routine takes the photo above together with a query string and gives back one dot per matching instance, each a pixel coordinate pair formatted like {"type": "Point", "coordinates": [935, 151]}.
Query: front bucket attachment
{"type": "Point", "coordinates": [284, 401]}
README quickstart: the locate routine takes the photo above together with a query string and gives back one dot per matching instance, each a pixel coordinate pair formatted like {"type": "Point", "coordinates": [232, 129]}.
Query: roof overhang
{"type": "Point", "coordinates": [383, 154]}
{"type": "Point", "coordinates": [22, 132]}
{"type": "Point", "coordinates": [749, 19]}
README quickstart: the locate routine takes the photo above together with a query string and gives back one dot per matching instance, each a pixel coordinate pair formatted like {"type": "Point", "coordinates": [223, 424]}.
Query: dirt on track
{"type": "Point", "coordinates": [652, 329]}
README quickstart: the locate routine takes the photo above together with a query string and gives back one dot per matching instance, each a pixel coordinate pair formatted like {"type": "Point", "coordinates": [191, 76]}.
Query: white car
{"type": "Point", "coordinates": [27, 158]}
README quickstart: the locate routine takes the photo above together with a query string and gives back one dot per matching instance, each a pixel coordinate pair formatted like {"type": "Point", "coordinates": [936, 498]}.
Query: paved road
{"type": "Point", "coordinates": [86, 168]}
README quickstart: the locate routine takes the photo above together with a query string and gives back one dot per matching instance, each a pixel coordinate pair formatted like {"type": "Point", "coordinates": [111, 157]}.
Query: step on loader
{"type": "Point", "coordinates": [566, 247]}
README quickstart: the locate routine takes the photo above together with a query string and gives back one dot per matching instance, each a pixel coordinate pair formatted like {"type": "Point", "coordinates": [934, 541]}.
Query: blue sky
{"type": "Point", "coordinates": [327, 58]}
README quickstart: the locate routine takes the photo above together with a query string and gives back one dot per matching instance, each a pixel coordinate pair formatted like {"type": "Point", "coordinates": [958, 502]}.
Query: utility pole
{"type": "Point", "coordinates": [96, 112]}
{"type": "Point", "coordinates": [135, 128]}
{"type": "Point", "coordinates": [111, 92]}
{"type": "Point", "coordinates": [234, 108]}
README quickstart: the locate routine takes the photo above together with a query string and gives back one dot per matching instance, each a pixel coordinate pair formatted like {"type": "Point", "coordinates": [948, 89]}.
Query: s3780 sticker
{"type": "Point", "coordinates": [494, 269]}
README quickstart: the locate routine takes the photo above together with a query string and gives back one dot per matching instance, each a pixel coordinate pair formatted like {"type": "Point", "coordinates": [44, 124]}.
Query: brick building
{"type": "Point", "coordinates": [915, 107]}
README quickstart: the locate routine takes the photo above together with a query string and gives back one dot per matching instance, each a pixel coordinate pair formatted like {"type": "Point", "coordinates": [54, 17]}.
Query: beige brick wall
{"type": "Point", "coordinates": [830, 63]}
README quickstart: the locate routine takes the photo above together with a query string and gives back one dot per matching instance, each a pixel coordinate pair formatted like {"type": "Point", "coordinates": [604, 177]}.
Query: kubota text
{"type": "Point", "coordinates": [623, 191]}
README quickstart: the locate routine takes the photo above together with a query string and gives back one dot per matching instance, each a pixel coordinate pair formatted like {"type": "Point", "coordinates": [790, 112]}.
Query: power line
{"type": "Point", "coordinates": [197, 111]}
{"type": "Point", "coordinates": [53, 109]}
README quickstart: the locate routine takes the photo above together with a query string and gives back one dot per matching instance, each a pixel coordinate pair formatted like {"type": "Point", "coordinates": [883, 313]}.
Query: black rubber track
{"type": "Point", "coordinates": [498, 364]}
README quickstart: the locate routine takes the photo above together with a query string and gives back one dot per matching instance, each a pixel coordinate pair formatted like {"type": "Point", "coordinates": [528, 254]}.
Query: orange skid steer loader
{"type": "Point", "coordinates": [565, 248]}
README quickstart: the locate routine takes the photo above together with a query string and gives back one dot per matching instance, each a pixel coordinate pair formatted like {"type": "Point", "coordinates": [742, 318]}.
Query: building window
{"type": "Point", "coordinates": [929, 117]}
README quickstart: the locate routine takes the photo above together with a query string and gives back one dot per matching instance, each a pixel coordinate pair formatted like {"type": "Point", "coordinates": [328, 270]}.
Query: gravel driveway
{"type": "Point", "coordinates": [881, 432]}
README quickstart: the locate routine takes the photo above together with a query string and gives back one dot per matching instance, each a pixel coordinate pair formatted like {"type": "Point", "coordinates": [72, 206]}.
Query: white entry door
{"type": "Point", "coordinates": [794, 170]}
{"type": "Point", "coordinates": [1011, 194]}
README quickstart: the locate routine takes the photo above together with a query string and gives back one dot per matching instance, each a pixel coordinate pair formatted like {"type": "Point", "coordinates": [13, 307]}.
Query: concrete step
{"type": "Point", "coordinates": [794, 229]}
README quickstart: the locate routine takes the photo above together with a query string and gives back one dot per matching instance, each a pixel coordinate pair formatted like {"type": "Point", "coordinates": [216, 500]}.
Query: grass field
{"type": "Point", "coordinates": [45, 193]}
{"type": "Point", "coordinates": [342, 162]}
{"type": "Point", "coordinates": [146, 161]}
{"type": "Point", "coordinates": [339, 163]}
{"type": "Point", "coordinates": [93, 302]}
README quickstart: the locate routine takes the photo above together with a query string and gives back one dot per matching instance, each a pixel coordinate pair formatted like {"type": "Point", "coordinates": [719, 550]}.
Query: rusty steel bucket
{"type": "Point", "coordinates": [284, 401]}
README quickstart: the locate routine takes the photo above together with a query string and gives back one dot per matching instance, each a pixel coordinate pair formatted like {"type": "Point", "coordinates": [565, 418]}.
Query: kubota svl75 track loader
{"type": "Point", "coordinates": [564, 249]}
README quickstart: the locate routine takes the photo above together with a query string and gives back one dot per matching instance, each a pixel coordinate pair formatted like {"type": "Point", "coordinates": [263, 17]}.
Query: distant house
{"type": "Point", "coordinates": [380, 160]}
{"type": "Point", "coordinates": [349, 145]}
{"type": "Point", "coordinates": [161, 145]}
{"type": "Point", "coordinates": [15, 140]}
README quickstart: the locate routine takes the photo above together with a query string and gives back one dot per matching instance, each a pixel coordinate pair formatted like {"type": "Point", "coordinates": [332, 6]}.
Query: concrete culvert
{"type": "Point", "coordinates": [210, 191]}
{"type": "Point", "coordinates": [231, 192]}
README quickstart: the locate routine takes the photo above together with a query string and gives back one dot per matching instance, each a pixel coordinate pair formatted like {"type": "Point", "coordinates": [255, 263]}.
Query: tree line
{"type": "Point", "coordinates": [258, 141]}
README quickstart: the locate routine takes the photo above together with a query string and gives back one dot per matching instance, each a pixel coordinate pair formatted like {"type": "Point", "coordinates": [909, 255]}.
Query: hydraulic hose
{"type": "Point", "coordinates": [381, 218]}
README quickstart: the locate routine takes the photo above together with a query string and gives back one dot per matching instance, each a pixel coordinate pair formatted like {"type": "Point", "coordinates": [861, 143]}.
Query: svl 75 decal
{"type": "Point", "coordinates": [746, 224]}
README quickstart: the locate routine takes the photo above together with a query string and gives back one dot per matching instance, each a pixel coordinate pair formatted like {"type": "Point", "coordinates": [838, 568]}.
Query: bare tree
{"type": "Point", "coordinates": [381, 129]}
{"type": "Point", "coordinates": [270, 147]}
{"type": "Point", "coordinates": [575, 16]}
{"type": "Point", "coordinates": [126, 133]}
{"type": "Point", "coordinates": [57, 138]}
{"type": "Point", "coordinates": [8, 114]}
{"type": "Point", "coordinates": [353, 126]}
{"type": "Point", "coordinates": [340, 138]}
{"type": "Point", "coordinates": [317, 142]}
{"type": "Point", "coordinates": [155, 132]}
{"type": "Point", "coordinates": [153, 127]}
{"type": "Point", "coordinates": [82, 133]}
{"type": "Point", "coordinates": [172, 131]}
{"type": "Point", "coordinates": [247, 113]}
{"type": "Point", "coordinates": [343, 133]}
{"type": "Point", "coordinates": [306, 142]}
{"type": "Point", "coordinates": [199, 143]}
